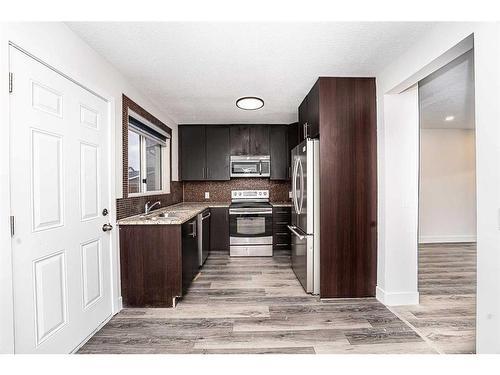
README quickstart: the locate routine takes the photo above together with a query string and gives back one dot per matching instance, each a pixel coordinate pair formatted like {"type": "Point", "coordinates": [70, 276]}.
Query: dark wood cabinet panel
{"type": "Point", "coordinates": [259, 139]}
{"type": "Point", "coordinates": [150, 265]}
{"type": "Point", "coordinates": [313, 111]}
{"type": "Point", "coordinates": [348, 188]}
{"type": "Point", "coordinates": [219, 228]}
{"type": "Point", "coordinates": [282, 217]}
{"type": "Point", "coordinates": [190, 261]}
{"type": "Point", "coordinates": [192, 152]}
{"type": "Point", "coordinates": [302, 120]}
{"type": "Point", "coordinates": [217, 152]}
{"type": "Point", "coordinates": [293, 136]}
{"type": "Point", "coordinates": [278, 139]}
{"type": "Point", "coordinates": [240, 139]}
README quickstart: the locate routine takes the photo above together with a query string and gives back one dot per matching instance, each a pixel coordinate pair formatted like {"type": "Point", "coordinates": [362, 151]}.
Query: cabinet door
{"type": "Point", "coordinates": [218, 148]}
{"type": "Point", "coordinates": [240, 139]}
{"type": "Point", "coordinates": [313, 111]}
{"type": "Point", "coordinates": [193, 156]}
{"type": "Point", "coordinates": [279, 152]}
{"type": "Point", "coordinates": [302, 120]}
{"type": "Point", "coordinates": [189, 254]}
{"type": "Point", "coordinates": [259, 140]}
{"type": "Point", "coordinates": [219, 228]}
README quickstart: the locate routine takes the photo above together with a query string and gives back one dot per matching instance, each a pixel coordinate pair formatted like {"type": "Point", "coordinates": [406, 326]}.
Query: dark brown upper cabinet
{"type": "Point", "coordinates": [313, 112]}
{"type": "Point", "coordinates": [309, 114]}
{"type": "Point", "coordinates": [192, 152]}
{"type": "Point", "coordinates": [240, 139]}
{"type": "Point", "coordinates": [217, 145]}
{"type": "Point", "coordinates": [259, 139]}
{"type": "Point", "coordinates": [249, 139]}
{"type": "Point", "coordinates": [293, 136]}
{"type": "Point", "coordinates": [278, 139]}
{"type": "Point", "coordinates": [302, 134]}
{"type": "Point", "coordinates": [204, 152]}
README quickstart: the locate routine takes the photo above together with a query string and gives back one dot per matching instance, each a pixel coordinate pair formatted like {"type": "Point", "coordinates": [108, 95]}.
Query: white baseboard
{"type": "Point", "coordinates": [397, 298]}
{"type": "Point", "coordinates": [449, 238]}
{"type": "Point", "coordinates": [118, 305]}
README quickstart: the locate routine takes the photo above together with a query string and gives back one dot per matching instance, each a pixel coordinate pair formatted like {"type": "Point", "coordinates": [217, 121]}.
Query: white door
{"type": "Point", "coordinates": [59, 188]}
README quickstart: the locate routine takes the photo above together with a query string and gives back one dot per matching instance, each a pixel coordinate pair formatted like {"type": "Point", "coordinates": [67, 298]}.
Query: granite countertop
{"type": "Point", "coordinates": [180, 212]}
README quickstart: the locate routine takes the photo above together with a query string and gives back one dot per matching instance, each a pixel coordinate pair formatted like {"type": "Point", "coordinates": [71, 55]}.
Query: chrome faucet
{"type": "Point", "coordinates": [148, 208]}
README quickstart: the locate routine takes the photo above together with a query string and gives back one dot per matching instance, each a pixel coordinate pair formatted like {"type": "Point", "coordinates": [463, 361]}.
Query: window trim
{"type": "Point", "coordinates": [165, 156]}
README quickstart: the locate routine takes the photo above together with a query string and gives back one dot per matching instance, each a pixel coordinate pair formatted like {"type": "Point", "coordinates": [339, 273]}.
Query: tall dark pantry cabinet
{"type": "Point", "coordinates": [343, 112]}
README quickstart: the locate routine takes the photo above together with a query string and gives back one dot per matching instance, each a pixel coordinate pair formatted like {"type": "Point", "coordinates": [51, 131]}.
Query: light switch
{"type": "Point", "coordinates": [207, 195]}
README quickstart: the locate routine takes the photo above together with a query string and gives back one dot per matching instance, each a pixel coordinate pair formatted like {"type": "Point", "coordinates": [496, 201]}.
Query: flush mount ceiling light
{"type": "Point", "coordinates": [249, 103]}
{"type": "Point", "coordinates": [449, 118]}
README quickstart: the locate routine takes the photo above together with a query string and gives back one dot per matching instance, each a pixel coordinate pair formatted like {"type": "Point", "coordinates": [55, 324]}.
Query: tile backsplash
{"type": "Point", "coordinates": [220, 191]}
{"type": "Point", "coordinates": [131, 206]}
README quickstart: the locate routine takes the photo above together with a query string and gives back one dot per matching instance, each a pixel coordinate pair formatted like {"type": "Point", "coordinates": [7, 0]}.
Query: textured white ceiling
{"type": "Point", "coordinates": [449, 92]}
{"type": "Point", "coordinates": [196, 71]}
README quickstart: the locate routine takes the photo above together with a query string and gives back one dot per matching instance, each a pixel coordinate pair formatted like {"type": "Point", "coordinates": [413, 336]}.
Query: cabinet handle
{"type": "Point", "coordinates": [193, 234]}
{"type": "Point", "coordinates": [305, 130]}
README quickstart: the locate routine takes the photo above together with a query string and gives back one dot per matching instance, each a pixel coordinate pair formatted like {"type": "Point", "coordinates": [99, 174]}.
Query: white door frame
{"type": "Point", "coordinates": [7, 344]}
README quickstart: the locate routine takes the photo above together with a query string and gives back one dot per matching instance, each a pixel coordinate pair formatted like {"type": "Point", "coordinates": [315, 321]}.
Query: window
{"type": "Point", "coordinates": [148, 159]}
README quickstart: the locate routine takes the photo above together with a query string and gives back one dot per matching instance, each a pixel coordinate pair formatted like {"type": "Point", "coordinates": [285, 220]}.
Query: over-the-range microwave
{"type": "Point", "coordinates": [251, 166]}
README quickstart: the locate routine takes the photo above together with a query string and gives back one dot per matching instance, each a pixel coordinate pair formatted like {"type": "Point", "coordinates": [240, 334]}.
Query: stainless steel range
{"type": "Point", "coordinates": [250, 223]}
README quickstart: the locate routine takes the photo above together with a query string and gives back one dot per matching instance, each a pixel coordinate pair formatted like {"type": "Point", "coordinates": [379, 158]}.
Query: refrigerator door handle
{"type": "Point", "coordinates": [292, 229]}
{"type": "Point", "coordinates": [299, 206]}
{"type": "Point", "coordinates": [294, 186]}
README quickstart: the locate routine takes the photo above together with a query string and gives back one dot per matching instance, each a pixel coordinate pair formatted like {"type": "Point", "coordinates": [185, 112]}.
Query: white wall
{"type": "Point", "coordinates": [447, 202]}
{"type": "Point", "coordinates": [397, 255]}
{"type": "Point", "coordinates": [57, 45]}
{"type": "Point", "coordinates": [423, 58]}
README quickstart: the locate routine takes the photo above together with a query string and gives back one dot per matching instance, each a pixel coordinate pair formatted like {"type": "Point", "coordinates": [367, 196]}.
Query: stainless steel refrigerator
{"type": "Point", "coordinates": [305, 214]}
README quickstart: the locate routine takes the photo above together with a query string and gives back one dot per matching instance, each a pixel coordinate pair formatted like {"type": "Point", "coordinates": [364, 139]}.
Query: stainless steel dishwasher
{"type": "Point", "coordinates": [203, 236]}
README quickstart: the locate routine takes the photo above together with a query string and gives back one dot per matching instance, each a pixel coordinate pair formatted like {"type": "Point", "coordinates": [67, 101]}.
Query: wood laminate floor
{"type": "Point", "coordinates": [257, 305]}
{"type": "Point", "coordinates": [446, 315]}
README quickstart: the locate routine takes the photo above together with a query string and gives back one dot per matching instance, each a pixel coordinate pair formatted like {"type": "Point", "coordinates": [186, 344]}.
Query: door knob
{"type": "Point", "coordinates": [107, 227]}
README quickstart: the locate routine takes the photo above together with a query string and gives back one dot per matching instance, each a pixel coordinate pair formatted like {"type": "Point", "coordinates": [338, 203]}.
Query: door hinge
{"type": "Point", "coordinates": [11, 82]}
{"type": "Point", "coordinates": [12, 226]}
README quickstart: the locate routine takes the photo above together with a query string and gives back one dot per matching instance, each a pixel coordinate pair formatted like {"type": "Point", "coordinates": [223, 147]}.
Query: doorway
{"type": "Point", "coordinates": [446, 315]}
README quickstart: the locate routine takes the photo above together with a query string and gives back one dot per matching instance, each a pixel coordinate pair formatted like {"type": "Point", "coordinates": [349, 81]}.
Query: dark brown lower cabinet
{"type": "Point", "coordinates": [282, 217]}
{"type": "Point", "coordinates": [150, 264]}
{"type": "Point", "coordinates": [190, 261]}
{"type": "Point", "coordinates": [219, 228]}
{"type": "Point", "coordinates": [158, 263]}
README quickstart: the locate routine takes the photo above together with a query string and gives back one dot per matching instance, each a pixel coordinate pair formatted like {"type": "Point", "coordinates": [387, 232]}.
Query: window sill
{"type": "Point", "coordinates": [149, 193]}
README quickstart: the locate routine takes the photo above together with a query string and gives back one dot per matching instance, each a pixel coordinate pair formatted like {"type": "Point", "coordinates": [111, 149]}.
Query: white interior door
{"type": "Point", "coordinates": [59, 188]}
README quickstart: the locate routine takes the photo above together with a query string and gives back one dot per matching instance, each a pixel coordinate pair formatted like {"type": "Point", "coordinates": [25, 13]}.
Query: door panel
{"type": "Point", "coordinates": [59, 178]}
{"type": "Point", "coordinates": [46, 191]}
{"type": "Point", "coordinates": [50, 295]}
{"type": "Point", "coordinates": [279, 152]}
{"type": "Point", "coordinates": [217, 143]}
{"type": "Point", "coordinates": [240, 139]}
{"type": "Point", "coordinates": [259, 139]}
{"type": "Point", "coordinates": [193, 156]}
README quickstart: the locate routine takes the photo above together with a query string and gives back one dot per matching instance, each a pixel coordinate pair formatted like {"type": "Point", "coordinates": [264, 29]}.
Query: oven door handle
{"type": "Point", "coordinates": [248, 212]}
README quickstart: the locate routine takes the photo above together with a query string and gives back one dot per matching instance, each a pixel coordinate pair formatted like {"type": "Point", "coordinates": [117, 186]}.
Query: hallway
{"type": "Point", "coordinates": [446, 316]}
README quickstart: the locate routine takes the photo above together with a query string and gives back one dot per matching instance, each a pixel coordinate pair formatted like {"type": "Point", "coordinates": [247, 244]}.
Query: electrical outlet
{"type": "Point", "coordinates": [290, 195]}
{"type": "Point", "coordinates": [207, 195]}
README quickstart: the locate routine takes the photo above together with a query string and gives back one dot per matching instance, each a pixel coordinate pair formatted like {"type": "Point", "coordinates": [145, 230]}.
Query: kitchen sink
{"type": "Point", "coordinates": [169, 215]}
